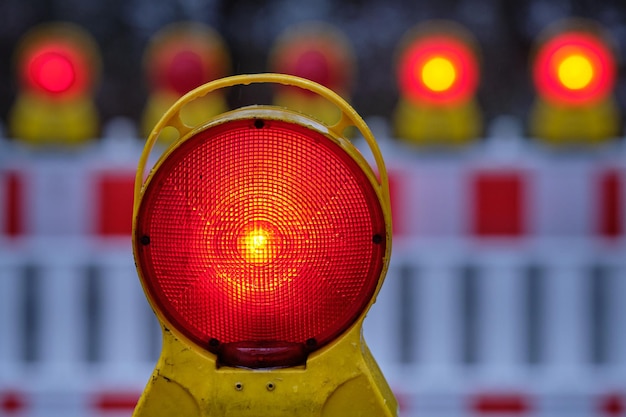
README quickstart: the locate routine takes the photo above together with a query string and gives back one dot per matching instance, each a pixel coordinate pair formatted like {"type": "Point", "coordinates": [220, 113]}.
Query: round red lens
{"type": "Point", "coordinates": [260, 233]}
{"type": "Point", "coordinates": [313, 65]}
{"type": "Point", "coordinates": [56, 69]}
{"type": "Point", "coordinates": [319, 54]}
{"type": "Point", "coordinates": [574, 68]}
{"type": "Point", "coordinates": [186, 72]}
{"type": "Point", "coordinates": [438, 70]}
{"type": "Point", "coordinates": [53, 72]}
{"type": "Point", "coordinates": [181, 60]}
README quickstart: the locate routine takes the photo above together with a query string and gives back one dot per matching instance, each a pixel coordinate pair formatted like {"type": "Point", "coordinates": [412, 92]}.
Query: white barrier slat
{"type": "Point", "coordinates": [380, 328]}
{"type": "Point", "coordinates": [56, 198]}
{"type": "Point", "coordinates": [567, 404]}
{"type": "Point", "coordinates": [440, 313]}
{"type": "Point", "coordinates": [616, 316]}
{"type": "Point", "coordinates": [438, 200]}
{"type": "Point", "coordinates": [566, 337]}
{"type": "Point", "coordinates": [62, 322]}
{"type": "Point", "coordinates": [501, 317]}
{"type": "Point", "coordinates": [156, 335]}
{"type": "Point", "coordinates": [123, 327]}
{"type": "Point", "coordinates": [438, 404]}
{"type": "Point", "coordinates": [563, 198]}
{"type": "Point", "coordinates": [58, 402]}
{"type": "Point", "coordinates": [12, 320]}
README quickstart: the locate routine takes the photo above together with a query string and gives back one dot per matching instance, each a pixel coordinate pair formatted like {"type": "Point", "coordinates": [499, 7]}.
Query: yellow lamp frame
{"type": "Point", "coordinates": [340, 379]}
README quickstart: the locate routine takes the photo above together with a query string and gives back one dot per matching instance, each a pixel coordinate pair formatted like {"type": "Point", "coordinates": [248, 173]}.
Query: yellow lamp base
{"type": "Point", "coordinates": [43, 122]}
{"type": "Point", "coordinates": [437, 126]}
{"type": "Point", "coordinates": [340, 380]}
{"type": "Point", "coordinates": [574, 126]}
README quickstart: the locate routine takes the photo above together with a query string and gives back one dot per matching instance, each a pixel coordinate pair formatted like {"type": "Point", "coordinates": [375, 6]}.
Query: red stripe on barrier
{"type": "Point", "coordinates": [115, 203]}
{"type": "Point", "coordinates": [611, 210]}
{"type": "Point", "coordinates": [498, 204]}
{"type": "Point", "coordinates": [613, 405]}
{"type": "Point", "coordinates": [117, 401]}
{"type": "Point", "coordinates": [14, 206]}
{"type": "Point", "coordinates": [501, 403]}
{"type": "Point", "coordinates": [11, 402]}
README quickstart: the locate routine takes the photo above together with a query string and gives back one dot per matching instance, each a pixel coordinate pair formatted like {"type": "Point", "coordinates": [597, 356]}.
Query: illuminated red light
{"type": "Point", "coordinates": [574, 68]}
{"type": "Point", "coordinates": [260, 241]}
{"type": "Point", "coordinates": [438, 69]}
{"type": "Point", "coordinates": [181, 70]}
{"type": "Point", "coordinates": [319, 53]}
{"type": "Point", "coordinates": [184, 57]}
{"type": "Point", "coordinates": [52, 72]}
{"type": "Point", "coordinates": [312, 62]}
{"type": "Point", "coordinates": [186, 72]}
{"type": "Point", "coordinates": [313, 65]}
{"type": "Point", "coordinates": [56, 69]}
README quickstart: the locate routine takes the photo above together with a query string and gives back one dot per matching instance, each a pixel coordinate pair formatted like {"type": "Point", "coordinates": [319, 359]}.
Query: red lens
{"type": "Point", "coordinates": [186, 72]}
{"type": "Point", "coordinates": [323, 60]}
{"type": "Point", "coordinates": [455, 67]}
{"type": "Point", "coordinates": [260, 234]}
{"type": "Point", "coordinates": [56, 69]}
{"type": "Point", "coordinates": [588, 61]}
{"type": "Point", "coordinates": [181, 70]}
{"type": "Point", "coordinates": [184, 62]}
{"type": "Point", "coordinates": [313, 65]}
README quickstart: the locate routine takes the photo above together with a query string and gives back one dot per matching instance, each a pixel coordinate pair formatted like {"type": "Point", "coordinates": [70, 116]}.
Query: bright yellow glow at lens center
{"type": "Point", "coordinates": [258, 246]}
{"type": "Point", "coordinates": [438, 74]}
{"type": "Point", "coordinates": [575, 72]}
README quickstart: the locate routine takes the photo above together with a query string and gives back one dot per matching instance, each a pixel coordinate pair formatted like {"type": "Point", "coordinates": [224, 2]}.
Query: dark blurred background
{"type": "Point", "coordinates": [505, 30]}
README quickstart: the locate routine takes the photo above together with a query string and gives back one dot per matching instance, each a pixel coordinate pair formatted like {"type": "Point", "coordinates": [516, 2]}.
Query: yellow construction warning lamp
{"type": "Point", "coordinates": [58, 65]}
{"type": "Point", "coordinates": [438, 75]}
{"type": "Point", "coordinates": [179, 58]}
{"type": "Point", "coordinates": [261, 238]}
{"type": "Point", "coordinates": [318, 52]}
{"type": "Point", "coordinates": [574, 73]}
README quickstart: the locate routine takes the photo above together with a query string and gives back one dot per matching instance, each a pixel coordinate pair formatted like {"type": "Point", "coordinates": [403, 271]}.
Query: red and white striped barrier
{"type": "Point", "coordinates": [82, 192]}
{"type": "Point", "coordinates": [468, 195]}
{"type": "Point", "coordinates": [537, 195]}
{"type": "Point", "coordinates": [505, 294]}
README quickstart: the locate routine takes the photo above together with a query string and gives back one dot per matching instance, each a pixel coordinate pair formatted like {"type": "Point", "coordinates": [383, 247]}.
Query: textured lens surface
{"type": "Point", "coordinates": [260, 231]}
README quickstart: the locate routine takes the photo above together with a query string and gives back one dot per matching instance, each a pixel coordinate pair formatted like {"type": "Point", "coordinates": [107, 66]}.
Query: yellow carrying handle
{"type": "Point", "coordinates": [349, 117]}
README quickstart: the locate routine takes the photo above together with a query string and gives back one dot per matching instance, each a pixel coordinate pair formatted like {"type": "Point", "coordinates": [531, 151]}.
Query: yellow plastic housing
{"type": "Point", "coordinates": [574, 126]}
{"type": "Point", "coordinates": [341, 379]}
{"type": "Point", "coordinates": [42, 122]}
{"type": "Point", "coordinates": [435, 126]}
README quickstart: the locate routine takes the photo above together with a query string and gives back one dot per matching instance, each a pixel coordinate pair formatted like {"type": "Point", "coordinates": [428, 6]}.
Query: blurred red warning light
{"type": "Point", "coordinates": [574, 68]}
{"type": "Point", "coordinates": [438, 69]}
